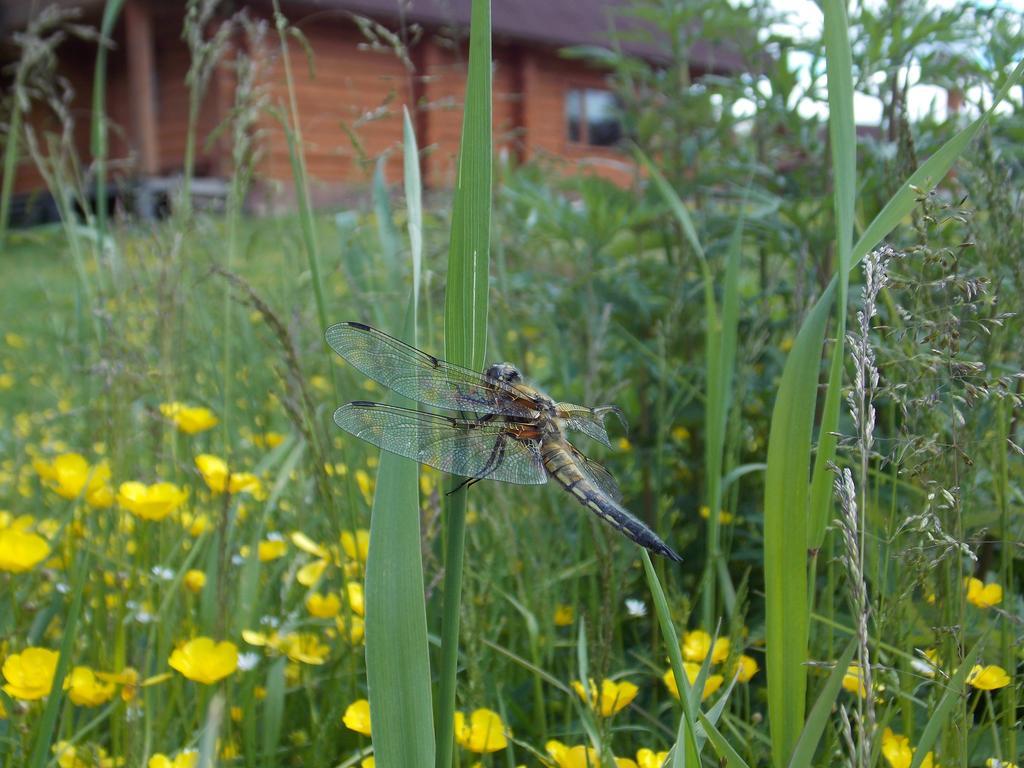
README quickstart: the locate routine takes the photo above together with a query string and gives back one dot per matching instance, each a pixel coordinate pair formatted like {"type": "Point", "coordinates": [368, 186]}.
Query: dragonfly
{"type": "Point", "coordinates": [501, 428]}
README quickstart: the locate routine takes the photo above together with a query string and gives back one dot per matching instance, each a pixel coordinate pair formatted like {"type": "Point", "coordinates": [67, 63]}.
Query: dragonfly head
{"type": "Point", "coordinates": [505, 372]}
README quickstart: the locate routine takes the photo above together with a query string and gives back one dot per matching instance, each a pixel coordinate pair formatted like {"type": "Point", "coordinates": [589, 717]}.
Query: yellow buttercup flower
{"type": "Point", "coordinates": [564, 616]}
{"type": "Point", "coordinates": [86, 690]}
{"type": "Point", "coordinates": [357, 545]}
{"type": "Point", "coordinates": [614, 697]}
{"type": "Point", "coordinates": [355, 598]}
{"type": "Point", "coordinates": [697, 644]}
{"type": "Point", "coordinates": [484, 733]}
{"type": "Point", "coordinates": [648, 758]}
{"type": "Point", "coordinates": [271, 549]}
{"type": "Point", "coordinates": [189, 419]}
{"type": "Point", "coordinates": [70, 476]}
{"type": "Point", "coordinates": [711, 684]}
{"type": "Point", "coordinates": [219, 478]}
{"type": "Point", "coordinates": [150, 502]}
{"type": "Point", "coordinates": [581, 757]}
{"type": "Point", "coordinates": [21, 551]}
{"type": "Point", "coordinates": [354, 628]}
{"type": "Point", "coordinates": [83, 756]}
{"type": "Point", "coordinates": [205, 660]}
{"type": "Point", "coordinates": [29, 674]}
{"type": "Point", "coordinates": [745, 668]}
{"type": "Point", "coordinates": [357, 717]}
{"type": "Point", "coordinates": [194, 581]}
{"type": "Point", "coordinates": [188, 758]}
{"type": "Point", "coordinates": [304, 647]}
{"type": "Point", "coordinates": [983, 595]}
{"type": "Point", "coordinates": [323, 606]}
{"type": "Point", "coordinates": [995, 762]}
{"type": "Point", "coordinates": [267, 440]}
{"type": "Point", "coordinates": [365, 485]}
{"type": "Point", "coordinates": [988, 678]}
{"type": "Point", "coordinates": [853, 681]}
{"type": "Point", "coordinates": [898, 753]}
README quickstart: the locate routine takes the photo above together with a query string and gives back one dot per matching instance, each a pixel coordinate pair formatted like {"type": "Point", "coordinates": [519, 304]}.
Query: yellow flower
{"type": "Point", "coordinates": [271, 549]}
{"type": "Point", "coordinates": [188, 758]}
{"type": "Point", "coordinates": [323, 606]}
{"type": "Point", "coordinates": [268, 440]}
{"type": "Point", "coordinates": [354, 628]}
{"type": "Point", "coordinates": [307, 545]}
{"type": "Point", "coordinates": [29, 674]}
{"type": "Point", "coordinates": [745, 668]}
{"type": "Point", "coordinates": [356, 546]}
{"type": "Point", "coordinates": [696, 644]}
{"type": "Point", "coordinates": [305, 647]}
{"type": "Point", "coordinates": [21, 551]}
{"type": "Point", "coordinates": [219, 478]}
{"type": "Point", "coordinates": [853, 681]}
{"type": "Point", "coordinates": [355, 598]}
{"type": "Point", "coordinates": [723, 517]}
{"type": "Point", "coordinates": [194, 581]}
{"type": "Point", "coordinates": [614, 696]}
{"type": "Point", "coordinates": [483, 734]}
{"type": "Point", "coordinates": [648, 758]}
{"type": "Point", "coordinates": [204, 660]}
{"type": "Point", "coordinates": [365, 485]}
{"type": "Point", "coordinates": [711, 684]}
{"type": "Point", "coordinates": [6, 381]}
{"type": "Point", "coordinates": [988, 678]}
{"type": "Point", "coordinates": [14, 340]}
{"type": "Point", "coordinates": [70, 476]}
{"type": "Point", "coordinates": [189, 420]}
{"type": "Point", "coordinates": [565, 615]}
{"type": "Point", "coordinates": [995, 762]}
{"type": "Point", "coordinates": [83, 756]}
{"type": "Point", "coordinates": [898, 753]}
{"type": "Point", "coordinates": [679, 433]}
{"type": "Point", "coordinates": [983, 595]}
{"type": "Point", "coordinates": [624, 445]}
{"type": "Point", "coordinates": [310, 573]}
{"type": "Point", "coordinates": [86, 690]}
{"type": "Point", "coordinates": [580, 756]}
{"type": "Point", "coordinates": [357, 717]}
{"type": "Point", "coordinates": [150, 502]}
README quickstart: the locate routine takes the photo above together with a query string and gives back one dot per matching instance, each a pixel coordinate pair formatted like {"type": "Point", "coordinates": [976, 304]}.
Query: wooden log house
{"type": "Point", "coordinates": [371, 58]}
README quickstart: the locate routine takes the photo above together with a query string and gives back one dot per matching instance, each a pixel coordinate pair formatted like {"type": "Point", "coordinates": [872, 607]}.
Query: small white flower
{"type": "Point", "coordinates": [162, 572]}
{"type": "Point", "coordinates": [275, 536]}
{"type": "Point", "coordinates": [636, 608]}
{"type": "Point", "coordinates": [237, 559]}
{"type": "Point", "coordinates": [63, 588]}
{"type": "Point", "coordinates": [248, 660]}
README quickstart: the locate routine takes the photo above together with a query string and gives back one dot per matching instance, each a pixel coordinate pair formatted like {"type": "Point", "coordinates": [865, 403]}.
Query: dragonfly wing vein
{"type": "Point", "coordinates": [458, 446]}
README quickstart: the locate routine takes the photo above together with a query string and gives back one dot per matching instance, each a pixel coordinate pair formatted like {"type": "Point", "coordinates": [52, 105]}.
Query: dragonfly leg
{"type": "Point", "coordinates": [493, 462]}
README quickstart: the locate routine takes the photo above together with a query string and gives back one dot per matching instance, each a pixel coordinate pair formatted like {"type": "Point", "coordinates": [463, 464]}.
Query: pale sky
{"type": "Point", "coordinates": [806, 24]}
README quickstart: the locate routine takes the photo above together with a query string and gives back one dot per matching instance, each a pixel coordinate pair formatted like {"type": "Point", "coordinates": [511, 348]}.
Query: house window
{"type": "Point", "coordinates": [592, 117]}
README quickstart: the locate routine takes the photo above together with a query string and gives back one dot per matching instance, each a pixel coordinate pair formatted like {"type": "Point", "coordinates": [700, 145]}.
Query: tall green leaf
{"type": "Point", "coordinates": [789, 460]}
{"type": "Point", "coordinates": [822, 710]}
{"type": "Point", "coordinates": [465, 327]}
{"type": "Point", "coordinates": [397, 652]}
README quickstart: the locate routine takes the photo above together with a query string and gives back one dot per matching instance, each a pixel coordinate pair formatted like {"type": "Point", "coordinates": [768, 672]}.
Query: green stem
{"type": "Point", "coordinates": [455, 550]}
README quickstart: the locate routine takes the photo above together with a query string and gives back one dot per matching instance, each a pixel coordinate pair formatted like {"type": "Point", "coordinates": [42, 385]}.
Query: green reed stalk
{"type": "Point", "coordinates": [99, 144]}
{"type": "Point", "coordinates": [465, 328]}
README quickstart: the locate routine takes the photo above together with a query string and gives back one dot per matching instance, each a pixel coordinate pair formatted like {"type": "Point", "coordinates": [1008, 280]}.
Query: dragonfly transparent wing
{"type": "Point", "coordinates": [590, 421]}
{"type": "Point", "coordinates": [598, 475]}
{"type": "Point", "coordinates": [419, 376]}
{"type": "Point", "coordinates": [458, 446]}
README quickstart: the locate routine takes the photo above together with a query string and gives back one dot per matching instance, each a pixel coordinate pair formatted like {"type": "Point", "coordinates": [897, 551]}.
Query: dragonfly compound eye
{"type": "Point", "coordinates": [504, 372]}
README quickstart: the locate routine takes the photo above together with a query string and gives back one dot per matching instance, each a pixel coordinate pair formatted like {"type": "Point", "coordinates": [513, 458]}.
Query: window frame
{"type": "Point", "coordinates": [584, 143]}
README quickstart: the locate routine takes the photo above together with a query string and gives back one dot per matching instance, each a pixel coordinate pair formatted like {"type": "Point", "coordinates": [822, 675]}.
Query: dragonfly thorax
{"type": "Point", "coordinates": [505, 372]}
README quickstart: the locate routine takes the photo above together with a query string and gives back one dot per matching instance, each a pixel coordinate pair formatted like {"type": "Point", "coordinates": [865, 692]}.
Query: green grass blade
{"type": "Point", "coordinates": [47, 725]}
{"type": "Point", "coordinates": [413, 204]}
{"type": "Point", "coordinates": [822, 710]}
{"type": "Point", "coordinates": [397, 650]}
{"type": "Point", "coordinates": [465, 310]}
{"type": "Point", "coordinates": [465, 327]}
{"type": "Point", "coordinates": [724, 749]}
{"type": "Point", "coordinates": [842, 132]}
{"type": "Point", "coordinates": [953, 695]}
{"type": "Point", "coordinates": [98, 139]}
{"type": "Point", "coordinates": [685, 751]}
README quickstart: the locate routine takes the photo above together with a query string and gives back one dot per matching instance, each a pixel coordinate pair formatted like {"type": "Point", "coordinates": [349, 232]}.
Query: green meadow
{"type": "Point", "coordinates": [814, 339]}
